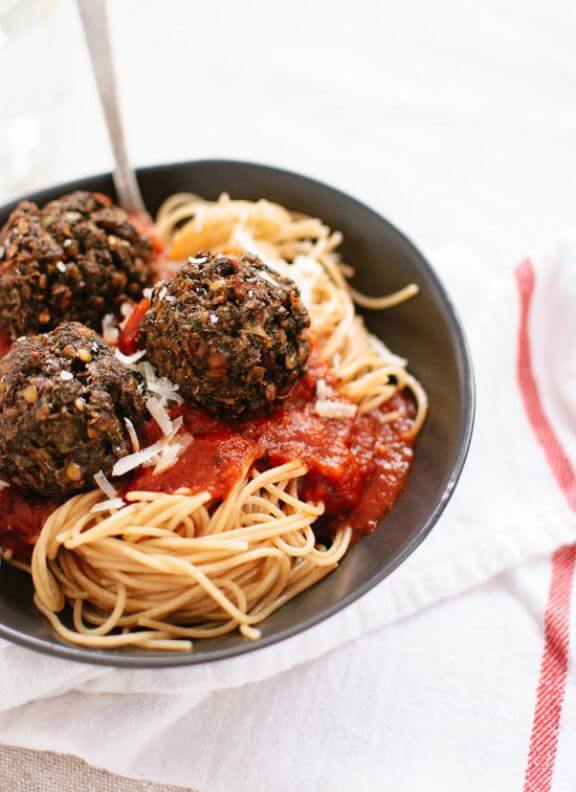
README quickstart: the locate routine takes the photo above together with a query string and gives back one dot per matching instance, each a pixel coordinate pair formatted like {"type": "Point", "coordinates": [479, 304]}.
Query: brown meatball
{"type": "Point", "coordinates": [63, 400]}
{"type": "Point", "coordinates": [77, 259]}
{"type": "Point", "coordinates": [231, 332]}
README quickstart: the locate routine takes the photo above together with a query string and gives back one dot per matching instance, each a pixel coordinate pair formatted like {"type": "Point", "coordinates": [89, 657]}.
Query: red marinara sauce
{"type": "Point", "coordinates": [356, 466]}
{"type": "Point", "coordinates": [128, 341]}
{"type": "Point", "coordinates": [22, 516]}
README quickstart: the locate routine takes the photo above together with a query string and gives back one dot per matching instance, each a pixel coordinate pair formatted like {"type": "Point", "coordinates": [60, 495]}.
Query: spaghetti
{"type": "Point", "coordinates": [166, 561]}
{"type": "Point", "coordinates": [168, 567]}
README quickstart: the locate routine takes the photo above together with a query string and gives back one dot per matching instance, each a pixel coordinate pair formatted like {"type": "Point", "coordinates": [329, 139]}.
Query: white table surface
{"type": "Point", "coordinates": [456, 119]}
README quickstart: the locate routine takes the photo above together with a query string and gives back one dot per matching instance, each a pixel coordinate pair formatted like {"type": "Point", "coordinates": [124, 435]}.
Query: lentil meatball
{"type": "Point", "coordinates": [63, 400]}
{"type": "Point", "coordinates": [230, 331]}
{"type": "Point", "coordinates": [77, 259]}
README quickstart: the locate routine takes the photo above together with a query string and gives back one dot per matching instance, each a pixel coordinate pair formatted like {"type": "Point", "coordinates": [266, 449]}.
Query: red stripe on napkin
{"type": "Point", "coordinates": [555, 454]}
{"type": "Point", "coordinates": [553, 672]}
{"type": "Point", "coordinates": [554, 668]}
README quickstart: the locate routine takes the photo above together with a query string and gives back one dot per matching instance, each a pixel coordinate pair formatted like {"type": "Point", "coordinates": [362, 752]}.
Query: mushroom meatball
{"type": "Point", "coordinates": [230, 332]}
{"type": "Point", "coordinates": [64, 398]}
{"type": "Point", "coordinates": [77, 259]}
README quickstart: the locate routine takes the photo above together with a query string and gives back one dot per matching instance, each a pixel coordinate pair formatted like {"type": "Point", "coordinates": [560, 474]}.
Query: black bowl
{"type": "Point", "coordinates": [426, 330]}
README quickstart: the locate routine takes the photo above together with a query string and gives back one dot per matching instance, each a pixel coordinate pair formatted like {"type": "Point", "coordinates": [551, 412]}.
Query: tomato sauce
{"type": "Point", "coordinates": [356, 467]}
{"type": "Point", "coordinates": [21, 518]}
{"type": "Point", "coordinates": [129, 334]}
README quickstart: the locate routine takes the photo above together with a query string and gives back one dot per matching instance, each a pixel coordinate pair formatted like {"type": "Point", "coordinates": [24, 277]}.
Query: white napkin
{"type": "Point", "coordinates": [507, 509]}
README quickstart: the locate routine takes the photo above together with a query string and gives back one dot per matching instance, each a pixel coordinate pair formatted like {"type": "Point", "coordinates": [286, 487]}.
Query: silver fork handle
{"type": "Point", "coordinates": [95, 24]}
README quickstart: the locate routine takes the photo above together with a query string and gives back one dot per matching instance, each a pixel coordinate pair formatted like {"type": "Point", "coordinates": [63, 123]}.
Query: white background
{"type": "Point", "coordinates": [455, 118]}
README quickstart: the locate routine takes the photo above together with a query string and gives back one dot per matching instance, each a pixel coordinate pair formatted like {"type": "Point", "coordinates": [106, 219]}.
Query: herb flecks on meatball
{"type": "Point", "coordinates": [63, 400]}
{"type": "Point", "coordinates": [76, 259]}
{"type": "Point", "coordinates": [230, 331]}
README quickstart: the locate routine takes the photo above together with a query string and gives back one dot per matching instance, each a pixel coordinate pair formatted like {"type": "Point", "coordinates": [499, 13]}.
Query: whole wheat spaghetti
{"type": "Point", "coordinates": [166, 562]}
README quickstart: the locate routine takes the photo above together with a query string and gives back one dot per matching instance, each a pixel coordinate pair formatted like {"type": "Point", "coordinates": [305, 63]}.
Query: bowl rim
{"type": "Point", "coordinates": [467, 401]}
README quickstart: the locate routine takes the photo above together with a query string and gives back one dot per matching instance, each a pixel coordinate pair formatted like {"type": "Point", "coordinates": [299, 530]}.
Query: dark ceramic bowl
{"type": "Point", "coordinates": [426, 330]}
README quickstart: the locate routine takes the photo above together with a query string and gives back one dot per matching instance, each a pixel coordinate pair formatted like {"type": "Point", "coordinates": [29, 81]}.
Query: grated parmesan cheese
{"type": "Point", "coordinates": [166, 390]}
{"type": "Point", "coordinates": [134, 441]}
{"type": "Point", "coordinates": [323, 390]}
{"type": "Point", "coordinates": [171, 453]}
{"type": "Point", "coordinates": [4, 485]}
{"type": "Point", "coordinates": [334, 409]}
{"type": "Point", "coordinates": [106, 486]}
{"type": "Point", "coordinates": [130, 360]}
{"type": "Point", "coordinates": [148, 372]}
{"type": "Point", "coordinates": [133, 461]}
{"type": "Point", "coordinates": [161, 455]}
{"type": "Point", "coordinates": [159, 386]}
{"type": "Point", "coordinates": [158, 412]}
{"type": "Point", "coordinates": [177, 425]}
